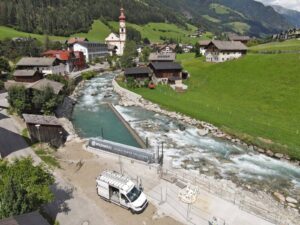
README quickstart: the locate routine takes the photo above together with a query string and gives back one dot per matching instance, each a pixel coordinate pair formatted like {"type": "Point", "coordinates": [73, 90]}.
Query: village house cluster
{"type": "Point", "coordinates": [288, 34]}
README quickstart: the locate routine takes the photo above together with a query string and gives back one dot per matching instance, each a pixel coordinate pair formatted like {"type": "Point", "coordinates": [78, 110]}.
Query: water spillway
{"type": "Point", "coordinates": [187, 149]}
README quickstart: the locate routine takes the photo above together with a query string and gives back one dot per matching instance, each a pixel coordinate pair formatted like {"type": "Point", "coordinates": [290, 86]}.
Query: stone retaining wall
{"type": "Point", "coordinates": [126, 93]}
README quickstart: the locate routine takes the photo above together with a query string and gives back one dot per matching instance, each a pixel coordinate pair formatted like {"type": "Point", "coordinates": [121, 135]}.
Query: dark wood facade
{"type": "Point", "coordinates": [29, 79]}
{"type": "Point", "coordinates": [166, 70]}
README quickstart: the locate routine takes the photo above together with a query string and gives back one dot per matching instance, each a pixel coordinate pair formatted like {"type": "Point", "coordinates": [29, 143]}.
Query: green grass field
{"type": "Point", "coordinates": [256, 98]}
{"type": "Point", "coordinates": [99, 31]}
{"type": "Point", "coordinates": [276, 46]}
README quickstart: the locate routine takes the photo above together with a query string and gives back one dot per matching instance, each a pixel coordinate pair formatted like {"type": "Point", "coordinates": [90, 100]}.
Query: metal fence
{"type": "Point", "coordinates": [125, 150]}
{"type": "Point", "coordinates": [246, 203]}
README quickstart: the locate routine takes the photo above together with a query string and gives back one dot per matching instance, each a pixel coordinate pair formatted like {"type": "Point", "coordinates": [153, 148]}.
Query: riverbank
{"type": "Point", "coordinates": [129, 98]}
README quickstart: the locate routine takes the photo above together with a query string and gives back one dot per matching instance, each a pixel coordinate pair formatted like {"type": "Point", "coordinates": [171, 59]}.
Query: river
{"type": "Point", "coordinates": [182, 143]}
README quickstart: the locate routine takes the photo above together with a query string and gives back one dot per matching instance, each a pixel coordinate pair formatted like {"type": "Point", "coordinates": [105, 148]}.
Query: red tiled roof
{"type": "Point", "coordinates": [63, 55]}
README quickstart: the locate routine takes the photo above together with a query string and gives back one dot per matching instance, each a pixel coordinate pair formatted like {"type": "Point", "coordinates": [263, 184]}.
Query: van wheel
{"type": "Point", "coordinates": [132, 211]}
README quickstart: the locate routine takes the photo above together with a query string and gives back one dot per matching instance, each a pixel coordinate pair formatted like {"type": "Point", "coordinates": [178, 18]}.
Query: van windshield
{"type": "Point", "coordinates": [134, 194]}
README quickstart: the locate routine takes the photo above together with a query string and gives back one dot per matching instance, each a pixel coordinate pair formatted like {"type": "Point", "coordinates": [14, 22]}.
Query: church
{"type": "Point", "coordinates": [118, 41]}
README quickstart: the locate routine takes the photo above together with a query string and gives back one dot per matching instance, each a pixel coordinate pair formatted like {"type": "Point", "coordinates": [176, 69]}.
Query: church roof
{"type": "Point", "coordinates": [122, 16]}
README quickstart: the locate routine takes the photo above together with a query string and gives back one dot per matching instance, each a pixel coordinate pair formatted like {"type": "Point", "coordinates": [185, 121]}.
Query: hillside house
{"type": "Point", "coordinates": [46, 129]}
{"type": "Point", "coordinates": [166, 72]}
{"type": "Point", "coordinates": [74, 61]}
{"type": "Point", "coordinates": [221, 51]}
{"type": "Point", "coordinates": [203, 46]}
{"type": "Point", "coordinates": [91, 50]}
{"type": "Point", "coordinates": [165, 48]}
{"type": "Point", "coordinates": [28, 76]}
{"type": "Point", "coordinates": [235, 37]}
{"type": "Point", "coordinates": [162, 57]}
{"type": "Point", "coordinates": [42, 64]}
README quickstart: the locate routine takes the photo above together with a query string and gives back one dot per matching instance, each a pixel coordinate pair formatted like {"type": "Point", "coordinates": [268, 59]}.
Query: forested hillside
{"type": "Point", "coordinates": [66, 17]}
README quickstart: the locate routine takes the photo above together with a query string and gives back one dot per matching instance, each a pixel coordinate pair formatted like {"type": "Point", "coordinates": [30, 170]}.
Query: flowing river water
{"type": "Point", "coordinates": [209, 155]}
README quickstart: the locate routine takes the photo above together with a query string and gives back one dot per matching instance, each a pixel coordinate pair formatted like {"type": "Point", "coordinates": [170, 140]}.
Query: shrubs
{"type": "Point", "coordinates": [89, 75]}
{"type": "Point", "coordinates": [1, 85]}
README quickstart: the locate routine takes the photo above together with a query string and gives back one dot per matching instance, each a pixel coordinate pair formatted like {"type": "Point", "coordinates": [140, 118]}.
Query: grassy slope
{"type": "Point", "coordinates": [6, 32]}
{"type": "Point", "coordinates": [285, 45]}
{"type": "Point", "coordinates": [256, 98]}
{"type": "Point", "coordinates": [100, 31]}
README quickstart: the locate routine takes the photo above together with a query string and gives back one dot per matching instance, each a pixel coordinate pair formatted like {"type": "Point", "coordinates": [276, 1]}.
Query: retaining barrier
{"type": "Point", "coordinates": [124, 150]}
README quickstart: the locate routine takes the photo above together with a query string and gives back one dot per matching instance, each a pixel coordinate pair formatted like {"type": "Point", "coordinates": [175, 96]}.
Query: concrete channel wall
{"type": "Point", "coordinates": [135, 135]}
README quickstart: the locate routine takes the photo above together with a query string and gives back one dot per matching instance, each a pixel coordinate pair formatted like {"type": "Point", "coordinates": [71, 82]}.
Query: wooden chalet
{"type": "Point", "coordinates": [138, 73]}
{"type": "Point", "coordinates": [166, 72]}
{"type": "Point", "coordinates": [46, 129]}
{"type": "Point", "coordinates": [27, 75]}
{"type": "Point", "coordinates": [243, 39]}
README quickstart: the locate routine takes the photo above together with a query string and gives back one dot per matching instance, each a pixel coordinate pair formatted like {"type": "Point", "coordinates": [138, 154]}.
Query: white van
{"type": "Point", "coordinates": [119, 189]}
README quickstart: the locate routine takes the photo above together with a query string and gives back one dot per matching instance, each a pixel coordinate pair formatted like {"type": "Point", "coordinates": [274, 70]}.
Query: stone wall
{"type": "Point", "coordinates": [125, 93]}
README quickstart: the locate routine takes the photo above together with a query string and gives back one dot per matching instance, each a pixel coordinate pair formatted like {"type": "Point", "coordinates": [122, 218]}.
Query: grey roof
{"type": "Point", "coordinates": [166, 66]}
{"type": "Point", "coordinates": [42, 84]}
{"type": "Point", "coordinates": [36, 61]}
{"type": "Point", "coordinates": [162, 57]}
{"type": "Point", "coordinates": [41, 120]}
{"type": "Point", "coordinates": [92, 44]}
{"type": "Point", "coordinates": [33, 218]}
{"type": "Point", "coordinates": [204, 42]}
{"type": "Point", "coordinates": [24, 73]}
{"type": "Point", "coordinates": [137, 70]}
{"type": "Point", "coordinates": [229, 45]}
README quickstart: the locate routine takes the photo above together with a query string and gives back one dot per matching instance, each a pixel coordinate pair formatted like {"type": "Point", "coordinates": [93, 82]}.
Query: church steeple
{"type": "Point", "coordinates": [122, 31]}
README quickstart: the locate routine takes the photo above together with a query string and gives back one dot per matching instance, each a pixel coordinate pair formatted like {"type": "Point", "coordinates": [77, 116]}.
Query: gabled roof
{"type": "Point", "coordinates": [162, 57]}
{"type": "Point", "coordinates": [33, 218]}
{"type": "Point", "coordinates": [166, 66]}
{"type": "Point", "coordinates": [41, 120]}
{"type": "Point", "coordinates": [42, 84]}
{"type": "Point", "coordinates": [238, 38]}
{"type": "Point", "coordinates": [137, 70]}
{"type": "Point", "coordinates": [36, 61]}
{"type": "Point", "coordinates": [24, 73]}
{"type": "Point", "coordinates": [204, 43]}
{"type": "Point", "coordinates": [229, 45]}
{"type": "Point", "coordinates": [63, 55]}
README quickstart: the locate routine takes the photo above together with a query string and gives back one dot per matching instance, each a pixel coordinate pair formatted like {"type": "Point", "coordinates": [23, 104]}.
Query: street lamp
{"type": "Point", "coordinates": [39, 136]}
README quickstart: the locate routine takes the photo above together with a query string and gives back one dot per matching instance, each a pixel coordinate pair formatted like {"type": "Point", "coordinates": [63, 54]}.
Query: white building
{"type": "Point", "coordinates": [221, 51]}
{"type": "Point", "coordinates": [91, 50]}
{"type": "Point", "coordinates": [203, 45]}
{"type": "Point", "coordinates": [118, 40]}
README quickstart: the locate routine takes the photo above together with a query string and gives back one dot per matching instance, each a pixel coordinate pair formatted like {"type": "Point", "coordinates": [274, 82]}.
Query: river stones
{"type": "Point", "coordinates": [279, 155]}
{"type": "Point", "coordinates": [279, 197]}
{"type": "Point", "coordinates": [291, 200]}
{"type": "Point", "coordinates": [270, 153]}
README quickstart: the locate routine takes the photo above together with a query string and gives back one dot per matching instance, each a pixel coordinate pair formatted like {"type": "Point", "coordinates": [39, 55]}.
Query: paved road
{"type": "Point", "coordinates": [12, 143]}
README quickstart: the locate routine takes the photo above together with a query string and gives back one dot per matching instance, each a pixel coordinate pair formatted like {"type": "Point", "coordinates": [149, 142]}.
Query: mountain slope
{"type": "Point", "coordinates": [66, 17]}
{"type": "Point", "coordinates": [292, 16]}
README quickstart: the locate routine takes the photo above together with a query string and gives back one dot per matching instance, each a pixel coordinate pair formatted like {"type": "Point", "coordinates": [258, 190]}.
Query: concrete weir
{"type": "Point", "coordinates": [139, 140]}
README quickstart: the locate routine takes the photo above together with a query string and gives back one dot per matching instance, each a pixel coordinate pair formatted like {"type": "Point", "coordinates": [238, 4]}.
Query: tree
{"type": "Point", "coordinates": [197, 50]}
{"type": "Point", "coordinates": [178, 49]}
{"type": "Point", "coordinates": [130, 52]}
{"type": "Point", "coordinates": [45, 101]}
{"type": "Point", "coordinates": [18, 99]}
{"type": "Point", "coordinates": [145, 54]}
{"type": "Point", "coordinates": [23, 187]}
{"type": "Point", "coordinates": [4, 65]}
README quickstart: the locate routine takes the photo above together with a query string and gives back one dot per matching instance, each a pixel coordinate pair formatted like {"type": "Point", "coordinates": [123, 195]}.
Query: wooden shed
{"type": "Point", "coordinates": [46, 129]}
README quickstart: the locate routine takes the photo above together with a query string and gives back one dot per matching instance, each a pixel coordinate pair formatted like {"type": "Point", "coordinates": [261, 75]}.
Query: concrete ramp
{"type": "Point", "coordinates": [3, 100]}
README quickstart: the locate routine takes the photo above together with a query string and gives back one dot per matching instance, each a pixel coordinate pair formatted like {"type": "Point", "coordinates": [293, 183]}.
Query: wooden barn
{"type": "Point", "coordinates": [28, 76]}
{"type": "Point", "coordinates": [139, 73]}
{"type": "Point", "coordinates": [46, 129]}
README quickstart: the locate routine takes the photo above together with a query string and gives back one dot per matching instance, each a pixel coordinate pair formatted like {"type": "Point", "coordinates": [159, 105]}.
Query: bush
{"type": "Point", "coordinates": [89, 75]}
{"type": "Point", "coordinates": [1, 85]}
